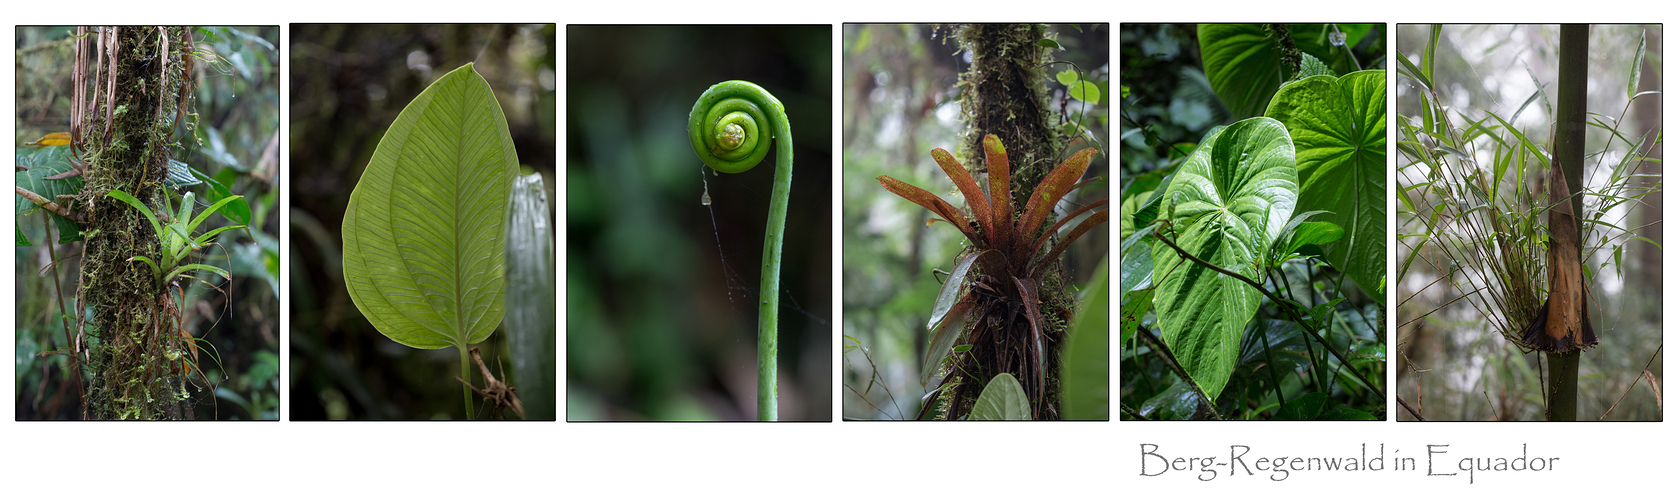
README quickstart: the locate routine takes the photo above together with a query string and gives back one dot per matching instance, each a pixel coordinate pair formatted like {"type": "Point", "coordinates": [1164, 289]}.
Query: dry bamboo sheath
{"type": "Point", "coordinates": [1564, 323]}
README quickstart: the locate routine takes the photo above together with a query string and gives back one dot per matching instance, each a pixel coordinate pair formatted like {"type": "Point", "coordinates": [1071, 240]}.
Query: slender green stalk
{"type": "Point", "coordinates": [726, 129]}
{"type": "Point", "coordinates": [1563, 383]}
{"type": "Point", "coordinates": [64, 317]}
{"type": "Point", "coordinates": [1562, 386]}
{"type": "Point", "coordinates": [466, 375]}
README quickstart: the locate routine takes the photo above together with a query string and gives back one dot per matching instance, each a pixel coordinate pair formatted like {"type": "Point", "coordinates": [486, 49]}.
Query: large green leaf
{"type": "Point", "coordinates": [1306, 407]}
{"type": "Point", "coordinates": [423, 234]}
{"type": "Point", "coordinates": [1136, 281]}
{"type": "Point", "coordinates": [1339, 129]}
{"type": "Point", "coordinates": [1227, 205]}
{"type": "Point", "coordinates": [1002, 399]}
{"type": "Point", "coordinates": [531, 317]}
{"type": "Point", "coordinates": [46, 162]}
{"type": "Point", "coordinates": [1244, 64]}
{"type": "Point", "coordinates": [1177, 402]}
{"type": "Point", "coordinates": [238, 211]}
{"type": "Point", "coordinates": [1084, 394]}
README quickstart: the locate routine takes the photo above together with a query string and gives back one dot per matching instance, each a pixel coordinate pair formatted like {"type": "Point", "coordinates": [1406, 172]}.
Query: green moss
{"type": "Point", "coordinates": [136, 322]}
{"type": "Point", "coordinates": [1004, 93]}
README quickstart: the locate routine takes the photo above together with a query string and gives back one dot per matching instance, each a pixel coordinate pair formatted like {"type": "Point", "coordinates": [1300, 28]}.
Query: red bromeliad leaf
{"type": "Point", "coordinates": [1002, 206]}
{"type": "Point", "coordinates": [1054, 186]}
{"type": "Point", "coordinates": [1094, 219]}
{"type": "Point", "coordinates": [1007, 251]}
{"type": "Point", "coordinates": [1028, 294]}
{"type": "Point", "coordinates": [969, 188]}
{"type": "Point", "coordinates": [1044, 238]}
{"type": "Point", "coordinates": [931, 202]}
{"type": "Point", "coordinates": [1083, 183]}
{"type": "Point", "coordinates": [994, 263]}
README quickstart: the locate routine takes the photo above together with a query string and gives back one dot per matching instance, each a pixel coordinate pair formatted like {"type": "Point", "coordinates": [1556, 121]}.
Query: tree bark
{"type": "Point", "coordinates": [131, 81]}
{"type": "Point", "coordinates": [1003, 94]}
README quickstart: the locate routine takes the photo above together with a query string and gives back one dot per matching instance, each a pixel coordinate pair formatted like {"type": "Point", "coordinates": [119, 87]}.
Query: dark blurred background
{"type": "Point", "coordinates": [237, 142]}
{"type": "Point", "coordinates": [348, 83]}
{"type": "Point", "coordinates": [661, 292]}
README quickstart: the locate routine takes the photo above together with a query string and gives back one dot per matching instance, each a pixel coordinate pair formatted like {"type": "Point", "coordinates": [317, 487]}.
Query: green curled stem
{"type": "Point", "coordinates": [726, 129]}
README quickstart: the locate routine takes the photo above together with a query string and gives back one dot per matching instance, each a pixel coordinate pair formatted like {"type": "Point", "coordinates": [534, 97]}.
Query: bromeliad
{"type": "Point", "coordinates": [1005, 299]}
{"type": "Point", "coordinates": [176, 237]}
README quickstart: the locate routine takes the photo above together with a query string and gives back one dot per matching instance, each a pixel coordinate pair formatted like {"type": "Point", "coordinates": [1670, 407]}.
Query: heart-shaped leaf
{"type": "Point", "coordinates": [1227, 204]}
{"type": "Point", "coordinates": [1002, 399]}
{"type": "Point", "coordinates": [1244, 64]}
{"type": "Point", "coordinates": [47, 162]}
{"type": "Point", "coordinates": [1339, 130]}
{"type": "Point", "coordinates": [423, 234]}
{"type": "Point", "coordinates": [1078, 87]}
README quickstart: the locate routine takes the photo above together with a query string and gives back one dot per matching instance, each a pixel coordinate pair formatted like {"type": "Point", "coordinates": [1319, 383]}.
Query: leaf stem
{"type": "Point", "coordinates": [64, 317]}
{"type": "Point", "coordinates": [726, 129]}
{"type": "Point", "coordinates": [466, 375]}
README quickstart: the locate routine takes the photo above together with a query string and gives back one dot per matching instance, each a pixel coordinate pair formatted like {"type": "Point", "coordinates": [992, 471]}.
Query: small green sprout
{"type": "Point", "coordinates": [176, 238]}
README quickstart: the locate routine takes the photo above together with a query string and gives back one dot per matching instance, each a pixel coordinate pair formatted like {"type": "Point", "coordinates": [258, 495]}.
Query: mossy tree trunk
{"type": "Point", "coordinates": [132, 83]}
{"type": "Point", "coordinates": [1003, 93]}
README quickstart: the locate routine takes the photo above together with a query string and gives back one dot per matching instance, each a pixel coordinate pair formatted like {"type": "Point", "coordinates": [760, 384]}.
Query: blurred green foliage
{"type": "Point", "coordinates": [348, 83]}
{"type": "Point", "coordinates": [661, 292]}
{"type": "Point", "coordinates": [900, 94]}
{"type": "Point", "coordinates": [235, 140]}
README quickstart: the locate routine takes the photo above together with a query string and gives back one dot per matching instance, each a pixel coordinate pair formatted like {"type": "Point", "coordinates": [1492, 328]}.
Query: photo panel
{"type": "Point", "coordinates": [147, 183]}
{"type": "Point", "coordinates": [1529, 235]}
{"type": "Point", "coordinates": [422, 270]}
{"type": "Point", "coordinates": [699, 235]}
{"type": "Point", "coordinates": [1253, 222]}
{"type": "Point", "coordinates": [975, 202]}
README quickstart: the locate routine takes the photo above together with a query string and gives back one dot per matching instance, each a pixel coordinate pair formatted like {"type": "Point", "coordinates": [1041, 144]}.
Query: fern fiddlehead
{"type": "Point", "coordinates": [730, 128]}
